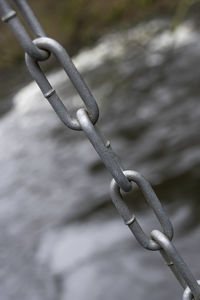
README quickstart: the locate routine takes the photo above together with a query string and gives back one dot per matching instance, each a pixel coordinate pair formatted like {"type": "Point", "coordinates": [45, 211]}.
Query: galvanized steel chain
{"type": "Point", "coordinates": [38, 50]}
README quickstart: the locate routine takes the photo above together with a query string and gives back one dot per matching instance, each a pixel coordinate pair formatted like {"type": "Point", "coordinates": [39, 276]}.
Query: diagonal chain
{"type": "Point", "coordinates": [38, 50]}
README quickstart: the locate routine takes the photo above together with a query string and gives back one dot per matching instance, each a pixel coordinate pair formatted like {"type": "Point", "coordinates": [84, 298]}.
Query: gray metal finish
{"type": "Point", "coordinates": [187, 295]}
{"type": "Point", "coordinates": [40, 49]}
{"type": "Point", "coordinates": [180, 269]}
{"type": "Point", "coordinates": [75, 77]}
{"type": "Point", "coordinates": [104, 150]}
{"type": "Point", "coordinates": [153, 202]}
{"type": "Point", "coordinates": [30, 18]}
{"type": "Point", "coordinates": [9, 16]}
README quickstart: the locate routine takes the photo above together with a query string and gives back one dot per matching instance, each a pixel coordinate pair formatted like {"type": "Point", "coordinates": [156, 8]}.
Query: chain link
{"type": "Point", "coordinates": [153, 202]}
{"type": "Point", "coordinates": [40, 49]}
{"type": "Point", "coordinates": [60, 53]}
{"type": "Point", "coordinates": [187, 295]}
{"type": "Point", "coordinates": [178, 266]}
{"type": "Point", "coordinates": [9, 16]}
{"type": "Point", "coordinates": [30, 18]}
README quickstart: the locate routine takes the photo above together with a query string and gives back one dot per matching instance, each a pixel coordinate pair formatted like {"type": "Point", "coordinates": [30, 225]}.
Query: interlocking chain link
{"type": "Point", "coordinates": [9, 16]}
{"type": "Point", "coordinates": [54, 47]}
{"type": "Point", "coordinates": [38, 50]}
{"type": "Point", "coordinates": [131, 220]}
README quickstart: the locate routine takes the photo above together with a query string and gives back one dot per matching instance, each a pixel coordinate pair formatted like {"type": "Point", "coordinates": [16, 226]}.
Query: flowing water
{"type": "Point", "coordinates": [61, 238]}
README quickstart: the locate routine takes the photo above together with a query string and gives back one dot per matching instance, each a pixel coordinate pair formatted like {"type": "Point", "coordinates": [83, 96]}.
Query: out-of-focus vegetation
{"type": "Point", "coordinates": [77, 23]}
{"type": "Point", "coordinates": [181, 11]}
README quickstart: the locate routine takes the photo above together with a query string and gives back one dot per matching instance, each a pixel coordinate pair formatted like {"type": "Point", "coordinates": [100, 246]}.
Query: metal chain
{"type": "Point", "coordinates": [9, 16]}
{"type": "Point", "coordinates": [40, 49]}
{"type": "Point", "coordinates": [54, 47]}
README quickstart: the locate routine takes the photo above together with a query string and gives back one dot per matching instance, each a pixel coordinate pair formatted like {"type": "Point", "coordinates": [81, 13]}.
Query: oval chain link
{"type": "Point", "coordinates": [50, 94]}
{"type": "Point", "coordinates": [152, 201]}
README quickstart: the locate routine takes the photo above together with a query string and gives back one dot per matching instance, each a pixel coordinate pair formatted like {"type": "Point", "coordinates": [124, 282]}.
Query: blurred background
{"type": "Point", "coordinates": [60, 236]}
